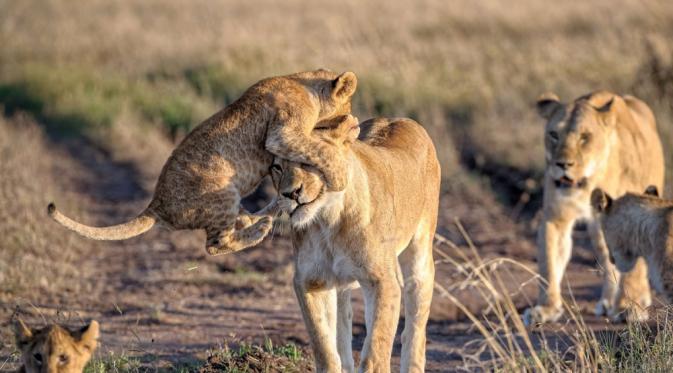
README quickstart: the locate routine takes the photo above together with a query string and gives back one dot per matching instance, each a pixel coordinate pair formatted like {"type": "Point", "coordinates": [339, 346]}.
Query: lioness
{"type": "Point", "coordinates": [55, 349]}
{"type": "Point", "coordinates": [600, 140]}
{"type": "Point", "coordinates": [639, 226]}
{"type": "Point", "coordinates": [384, 219]}
{"type": "Point", "coordinates": [226, 156]}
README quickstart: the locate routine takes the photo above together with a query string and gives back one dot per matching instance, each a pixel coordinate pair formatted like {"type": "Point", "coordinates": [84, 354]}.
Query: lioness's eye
{"type": "Point", "coordinates": [38, 358]}
{"type": "Point", "coordinates": [553, 135]}
{"type": "Point", "coordinates": [584, 138]}
{"type": "Point", "coordinates": [63, 359]}
{"type": "Point", "coordinates": [276, 168]}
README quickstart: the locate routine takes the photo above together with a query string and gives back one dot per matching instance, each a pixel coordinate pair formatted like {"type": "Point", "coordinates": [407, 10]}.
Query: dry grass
{"type": "Point", "coordinates": [509, 346]}
{"type": "Point", "coordinates": [35, 256]}
{"type": "Point", "coordinates": [468, 72]}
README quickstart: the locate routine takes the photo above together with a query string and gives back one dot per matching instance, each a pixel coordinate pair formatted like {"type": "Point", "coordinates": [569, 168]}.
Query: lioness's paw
{"type": "Point", "coordinates": [602, 308]}
{"type": "Point", "coordinates": [541, 314]}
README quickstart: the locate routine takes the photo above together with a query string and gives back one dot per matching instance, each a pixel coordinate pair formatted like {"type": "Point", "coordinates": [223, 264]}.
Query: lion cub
{"type": "Point", "coordinates": [639, 226]}
{"type": "Point", "coordinates": [225, 157]}
{"type": "Point", "coordinates": [55, 349]}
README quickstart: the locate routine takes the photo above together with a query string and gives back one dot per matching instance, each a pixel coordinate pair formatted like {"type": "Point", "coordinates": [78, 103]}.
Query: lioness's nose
{"type": "Point", "coordinates": [293, 194]}
{"type": "Point", "coordinates": [565, 164]}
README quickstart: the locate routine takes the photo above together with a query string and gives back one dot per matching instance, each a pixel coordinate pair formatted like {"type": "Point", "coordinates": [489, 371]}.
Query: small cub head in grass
{"type": "Point", "coordinates": [54, 349]}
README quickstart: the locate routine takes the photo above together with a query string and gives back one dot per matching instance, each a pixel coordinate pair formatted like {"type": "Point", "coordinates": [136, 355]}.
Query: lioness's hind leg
{"type": "Point", "coordinates": [418, 269]}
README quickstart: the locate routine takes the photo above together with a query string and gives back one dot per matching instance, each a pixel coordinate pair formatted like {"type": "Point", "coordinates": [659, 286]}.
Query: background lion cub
{"type": "Point", "coordinates": [226, 156]}
{"type": "Point", "coordinates": [54, 348]}
{"type": "Point", "coordinates": [639, 226]}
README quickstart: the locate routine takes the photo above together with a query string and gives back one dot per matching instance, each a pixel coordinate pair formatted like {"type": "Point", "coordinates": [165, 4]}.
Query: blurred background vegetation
{"type": "Point", "coordinates": [469, 72]}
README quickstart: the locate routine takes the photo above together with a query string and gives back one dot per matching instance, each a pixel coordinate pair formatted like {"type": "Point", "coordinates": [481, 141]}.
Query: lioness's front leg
{"type": "Point", "coordinates": [382, 313]}
{"type": "Point", "coordinates": [554, 249]}
{"type": "Point", "coordinates": [319, 308]}
{"type": "Point", "coordinates": [345, 330]}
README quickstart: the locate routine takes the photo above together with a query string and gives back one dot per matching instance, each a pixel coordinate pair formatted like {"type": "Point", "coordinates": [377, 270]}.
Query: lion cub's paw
{"type": "Point", "coordinates": [541, 314]}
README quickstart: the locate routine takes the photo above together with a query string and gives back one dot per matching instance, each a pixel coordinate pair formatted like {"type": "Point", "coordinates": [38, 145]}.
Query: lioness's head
{"type": "Point", "coordinates": [577, 136]}
{"type": "Point", "coordinates": [620, 219]}
{"type": "Point", "coordinates": [54, 349]}
{"type": "Point", "coordinates": [333, 90]}
{"type": "Point", "coordinates": [301, 188]}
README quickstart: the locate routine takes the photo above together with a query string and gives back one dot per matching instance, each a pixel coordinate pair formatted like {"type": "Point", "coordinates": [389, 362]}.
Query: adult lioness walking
{"type": "Point", "coordinates": [601, 140]}
{"type": "Point", "coordinates": [386, 215]}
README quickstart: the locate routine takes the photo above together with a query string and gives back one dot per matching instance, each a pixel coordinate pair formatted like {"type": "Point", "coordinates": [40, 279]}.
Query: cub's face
{"type": "Point", "coordinates": [54, 349]}
{"type": "Point", "coordinates": [577, 142]}
{"type": "Point", "coordinates": [333, 90]}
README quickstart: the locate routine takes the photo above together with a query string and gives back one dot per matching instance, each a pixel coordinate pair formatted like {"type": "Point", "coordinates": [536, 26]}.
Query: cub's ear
{"type": "Point", "coordinates": [600, 201]}
{"type": "Point", "coordinates": [547, 105]}
{"type": "Point", "coordinates": [343, 87]}
{"type": "Point", "coordinates": [652, 191]}
{"type": "Point", "coordinates": [89, 336]}
{"type": "Point", "coordinates": [22, 332]}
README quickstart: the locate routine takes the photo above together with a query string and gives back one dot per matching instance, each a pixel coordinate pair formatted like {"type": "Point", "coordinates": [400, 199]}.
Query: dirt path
{"type": "Point", "coordinates": [160, 297]}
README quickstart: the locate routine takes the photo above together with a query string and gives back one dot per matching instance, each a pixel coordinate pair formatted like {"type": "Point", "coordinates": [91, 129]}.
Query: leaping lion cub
{"type": "Point", "coordinates": [384, 219]}
{"type": "Point", "coordinates": [638, 226]}
{"type": "Point", "coordinates": [600, 140]}
{"type": "Point", "coordinates": [54, 348]}
{"type": "Point", "coordinates": [226, 156]}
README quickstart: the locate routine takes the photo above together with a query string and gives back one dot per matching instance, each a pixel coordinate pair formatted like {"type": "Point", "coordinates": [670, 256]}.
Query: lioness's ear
{"type": "Point", "coordinates": [652, 191]}
{"type": "Point", "coordinates": [22, 332]}
{"type": "Point", "coordinates": [600, 200]}
{"type": "Point", "coordinates": [344, 86]}
{"type": "Point", "coordinates": [547, 104]}
{"type": "Point", "coordinates": [89, 336]}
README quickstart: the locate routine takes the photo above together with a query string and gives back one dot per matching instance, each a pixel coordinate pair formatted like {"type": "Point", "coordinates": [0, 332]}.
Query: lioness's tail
{"type": "Point", "coordinates": [141, 224]}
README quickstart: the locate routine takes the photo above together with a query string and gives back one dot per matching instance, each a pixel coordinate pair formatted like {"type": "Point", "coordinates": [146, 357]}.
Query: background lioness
{"type": "Point", "coordinates": [639, 226]}
{"type": "Point", "coordinates": [226, 156]}
{"type": "Point", "coordinates": [384, 219]}
{"type": "Point", "coordinates": [600, 140]}
{"type": "Point", "coordinates": [54, 348]}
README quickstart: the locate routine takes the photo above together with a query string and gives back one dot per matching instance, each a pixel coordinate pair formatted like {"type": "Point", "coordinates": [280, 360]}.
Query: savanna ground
{"type": "Point", "coordinates": [96, 93]}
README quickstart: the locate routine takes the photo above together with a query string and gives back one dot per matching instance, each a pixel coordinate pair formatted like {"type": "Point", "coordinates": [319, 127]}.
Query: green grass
{"type": "Point", "coordinates": [76, 99]}
{"type": "Point", "coordinates": [255, 358]}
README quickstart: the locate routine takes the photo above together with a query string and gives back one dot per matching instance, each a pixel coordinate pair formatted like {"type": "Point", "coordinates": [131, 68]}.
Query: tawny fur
{"type": "Point", "coordinates": [225, 157]}
{"type": "Point", "coordinates": [378, 233]}
{"type": "Point", "coordinates": [639, 226]}
{"type": "Point", "coordinates": [600, 140]}
{"type": "Point", "coordinates": [54, 349]}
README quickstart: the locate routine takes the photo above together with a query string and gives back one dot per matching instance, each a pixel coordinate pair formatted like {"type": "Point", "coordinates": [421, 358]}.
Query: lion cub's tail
{"type": "Point", "coordinates": [141, 224]}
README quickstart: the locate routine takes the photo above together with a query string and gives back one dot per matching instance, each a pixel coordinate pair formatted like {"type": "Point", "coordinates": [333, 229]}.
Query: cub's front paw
{"type": "Point", "coordinates": [541, 314]}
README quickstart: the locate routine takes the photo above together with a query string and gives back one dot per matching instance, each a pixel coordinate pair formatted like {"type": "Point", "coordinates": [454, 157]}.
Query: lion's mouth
{"type": "Point", "coordinates": [566, 183]}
